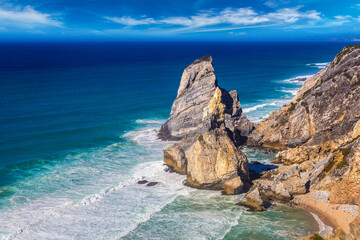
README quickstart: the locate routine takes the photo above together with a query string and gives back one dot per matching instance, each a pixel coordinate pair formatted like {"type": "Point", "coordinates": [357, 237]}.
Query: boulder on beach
{"type": "Point", "coordinates": [253, 201]}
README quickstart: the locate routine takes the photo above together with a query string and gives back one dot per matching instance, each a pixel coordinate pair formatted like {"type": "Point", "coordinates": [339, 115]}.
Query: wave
{"type": "Point", "coordinates": [318, 65]}
{"type": "Point", "coordinates": [96, 197]}
{"type": "Point", "coordinates": [277, 102]}
{"type": "Point", "coordinates": [298, 79]}
{"type": "Point", "coordinates": [291, 91]}
{"type": "Point", "coordinates": [147, 136]}
{"type": "Point", "coordinates": [251, 109]}
{"type": "Point", "coordinates": [323, 228]}
{"type": "Point", "coordinates": [149, 121]}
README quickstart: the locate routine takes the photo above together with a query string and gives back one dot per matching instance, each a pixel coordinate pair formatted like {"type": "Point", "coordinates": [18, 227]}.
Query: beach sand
{"type": "Point", "coordinates": [332, 215]}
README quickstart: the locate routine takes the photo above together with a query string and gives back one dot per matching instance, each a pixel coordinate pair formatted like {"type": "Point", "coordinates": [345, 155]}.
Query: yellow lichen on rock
{"type": "Point", "coordinates": [217, 108]}
{"type": "Point", "coordinates": [356, 131]}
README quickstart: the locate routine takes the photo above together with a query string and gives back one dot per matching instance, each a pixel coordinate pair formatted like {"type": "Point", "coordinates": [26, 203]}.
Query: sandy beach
{"type": "Point", "coordinates": [333, 216]}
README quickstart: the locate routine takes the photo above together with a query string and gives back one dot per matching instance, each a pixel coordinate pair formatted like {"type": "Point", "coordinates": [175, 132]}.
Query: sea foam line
{"type": "Point", "coordinates": [298, 79]}
{"type": "Point", "coordinates": [246, 110]}
{"type": "Point", "coordinates": [318, 65]}
{"type": "Point", "coordinates": [323, 228]}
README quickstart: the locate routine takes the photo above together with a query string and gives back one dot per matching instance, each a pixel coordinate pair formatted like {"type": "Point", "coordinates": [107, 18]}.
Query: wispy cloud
{"type": "Point", "coordinates": [344, 19]}
{"type": "Point", "coordinates": [292, 15]}
{"type": "Point", "coordinates": [228, 16]}
{"type": "Point", "coordinates": [129, 21]}
{"type": "Point", "coordinates": [26, 17]}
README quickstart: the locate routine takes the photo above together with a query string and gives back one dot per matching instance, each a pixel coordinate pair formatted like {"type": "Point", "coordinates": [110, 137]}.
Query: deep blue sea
{"type": "Point", "coordinates": [78, 125]}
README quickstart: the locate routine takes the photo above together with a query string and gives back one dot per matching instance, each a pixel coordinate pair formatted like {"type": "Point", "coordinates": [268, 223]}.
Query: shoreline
{"type": "Point", "coordinates": [330, 215]}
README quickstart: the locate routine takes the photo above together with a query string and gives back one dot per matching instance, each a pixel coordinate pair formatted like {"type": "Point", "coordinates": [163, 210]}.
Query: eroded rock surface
{"type": "Point", "coordinates": [213, 160]}
{"type": "Point", "coordinates": [191, 113]}
{"type": "Point", "coordinates": [324, 112]}
{"type": "Point", "coordinates": [209, 122]}
{"type": "Point", "coordinates": [318, 135]}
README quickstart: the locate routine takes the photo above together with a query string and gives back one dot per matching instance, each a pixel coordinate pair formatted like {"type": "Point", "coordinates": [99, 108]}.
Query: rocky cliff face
{"type": "Point", "coordinates": [325, 111]}
{"type": "Point", "coordinates": [191, 113]}
{"type": "Point", "coordinates": [208, 121]}
{"type": "Point", "coordinates": [318, 133]}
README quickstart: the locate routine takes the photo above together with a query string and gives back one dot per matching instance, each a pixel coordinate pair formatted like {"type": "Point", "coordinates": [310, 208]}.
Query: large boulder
{"type": "Point", "coordinates": [210, 161]}
{"type": "Point", "coordinates": [192, 113]}
{"type": "Point", "coordinates": [253, 200]}
{"type": "Point", "coordinates": [213, 160]}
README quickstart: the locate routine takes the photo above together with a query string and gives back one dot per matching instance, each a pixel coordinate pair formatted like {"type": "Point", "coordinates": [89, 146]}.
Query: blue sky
{"type": "Point", "coordinates": [240, 20]}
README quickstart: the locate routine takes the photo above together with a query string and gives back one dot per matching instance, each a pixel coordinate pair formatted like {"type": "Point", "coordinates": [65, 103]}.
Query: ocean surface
{"type": "Point", "coordinates": [78, 127]}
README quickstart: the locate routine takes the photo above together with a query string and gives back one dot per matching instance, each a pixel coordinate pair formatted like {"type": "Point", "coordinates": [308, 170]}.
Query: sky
{"type": "Point", "coordinates": [213, 20]}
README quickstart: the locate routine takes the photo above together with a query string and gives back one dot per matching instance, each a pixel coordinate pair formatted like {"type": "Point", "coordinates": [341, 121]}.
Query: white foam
{"type": "Point", "coordinates": [96, 197]}
{"type": "Point", "coordinates": [291, 91]}
{"type": "Point", "coordinates": [323, 228]}
{"type": "Point", "coordinates": [147, 136]}
{"type": "Point", "coordinates": [149, 121]}
{"type": "Point", "coordinates": [298, 79]}
{"type": "Point", "coordinates": [246, 110]}
{"type": "Point", "coordinates": [318, 65]}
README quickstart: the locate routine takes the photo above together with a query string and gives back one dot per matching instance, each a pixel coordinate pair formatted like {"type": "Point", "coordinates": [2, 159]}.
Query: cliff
{"type": "Point", "coordinates": [325, 112]}
{"type": "Point", "coordinates": [317, 135]}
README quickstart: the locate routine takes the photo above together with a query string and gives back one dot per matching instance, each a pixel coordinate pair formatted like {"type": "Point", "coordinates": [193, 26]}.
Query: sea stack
{"type": "Point", "coordinates": [190, 113]}
{"type": "Point", "coordinates": [209, 122]}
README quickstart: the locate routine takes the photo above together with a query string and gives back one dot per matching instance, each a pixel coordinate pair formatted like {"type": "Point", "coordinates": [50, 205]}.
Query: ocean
{"type": "Point", "coordinates": [78, 130]}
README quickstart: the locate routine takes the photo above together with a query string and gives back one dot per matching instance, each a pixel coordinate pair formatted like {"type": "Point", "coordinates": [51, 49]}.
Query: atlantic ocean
{"type": "Point", "coordinates": [78, 127]}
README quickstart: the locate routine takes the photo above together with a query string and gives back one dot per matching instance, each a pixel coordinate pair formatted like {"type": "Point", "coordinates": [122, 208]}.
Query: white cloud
{"type": "Point", "coordinates": [129, 21]}
{"type": "Point", "coordinates": [26, 17]}
{"type": "Point", "coordinates": [343, 19]}
{"type": "Point", "coordinates": [292, 15]}
{"type": "Point", "coordinates": [228, 16]}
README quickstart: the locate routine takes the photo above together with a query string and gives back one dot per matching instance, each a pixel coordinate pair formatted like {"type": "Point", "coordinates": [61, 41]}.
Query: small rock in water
{"type": "Point", "coordinates": [142, 182]}
{"type": "Point", "coordinates": [150, 184]}
{"type": "Point", "coordinates": [255, 162]}
{"type": "Point", "coordinates": [169, 169]}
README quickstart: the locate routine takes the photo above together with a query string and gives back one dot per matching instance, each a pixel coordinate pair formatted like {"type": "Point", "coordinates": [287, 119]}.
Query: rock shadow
{"type": "Point", "coordinates": [257, 168]}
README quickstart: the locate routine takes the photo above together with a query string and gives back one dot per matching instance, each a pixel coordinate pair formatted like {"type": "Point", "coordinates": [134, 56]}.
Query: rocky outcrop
{"type": "Point", "coordinates": [324, 112]}
{"type": "Point", "coordinates": [253, 201]}
{"type": "Point", "coordinates": [283, 183]}
{"type": "Point", "coordinates": [318, 138]}
{"type": "Point", "coordinates": [213, 160]}
{"type": "Point", "coordinates": [208, 121]}
{"type": "Point", "coordinates": [233, 186]}
{"type": "Point", "coordinates": [338, 234]}
{"type": "Point", "coordinates": [192, 113]}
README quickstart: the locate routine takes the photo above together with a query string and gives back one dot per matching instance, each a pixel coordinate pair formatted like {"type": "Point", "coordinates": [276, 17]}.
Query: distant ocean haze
{"type": "Point", "coordinates": [78, 127]}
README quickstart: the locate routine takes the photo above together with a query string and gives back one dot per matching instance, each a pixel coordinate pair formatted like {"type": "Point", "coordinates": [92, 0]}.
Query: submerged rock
{"type": "Point", "coordinates": [142, 182]}
{"type": "Point", "coordinates": [150, 184]}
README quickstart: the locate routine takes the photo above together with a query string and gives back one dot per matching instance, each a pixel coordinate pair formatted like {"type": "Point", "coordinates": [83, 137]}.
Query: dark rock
{"type": "Point", "coordinates": [150, 184]}
{"type": "Point", "coordinates": [142, 182]}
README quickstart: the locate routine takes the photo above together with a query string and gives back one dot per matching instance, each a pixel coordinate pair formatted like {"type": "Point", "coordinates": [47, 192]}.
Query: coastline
{"type": "Point", "coordinates": [331, 215]}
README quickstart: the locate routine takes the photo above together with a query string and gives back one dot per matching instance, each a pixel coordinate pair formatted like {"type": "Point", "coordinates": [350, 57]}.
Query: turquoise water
{"type": "Point", "coordinates": [78, 126]}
